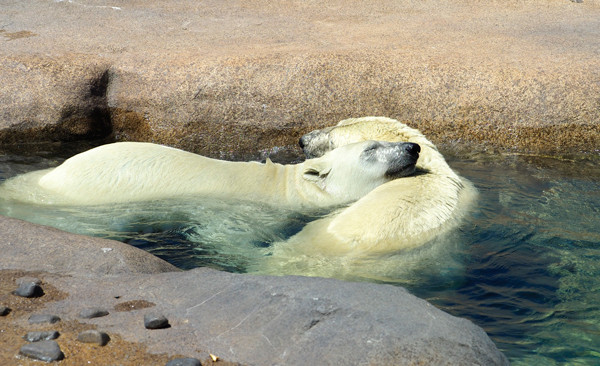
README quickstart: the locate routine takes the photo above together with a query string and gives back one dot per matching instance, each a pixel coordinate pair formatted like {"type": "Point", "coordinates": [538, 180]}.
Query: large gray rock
{"type": "Point", "coordinates": [255, 320]}
{"type": "Point", "coordinates": [217, 76]}
{"type": "Point", "coordinates": [34, 247]}
{"type": "Point", "coordinates": [260, 320]}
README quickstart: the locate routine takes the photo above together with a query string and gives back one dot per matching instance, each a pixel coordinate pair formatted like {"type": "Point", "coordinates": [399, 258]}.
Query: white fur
{"type": "Point", "coordinates": [131, 171]}
{"type": "Point", "coordinates": [402, 214]}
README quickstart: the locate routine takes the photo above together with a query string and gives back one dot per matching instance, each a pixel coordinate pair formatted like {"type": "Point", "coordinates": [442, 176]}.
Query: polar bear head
{"type": "Point", "coordinates": [351, 171]}
{"type": "Point", "coordinates": [318, 142]}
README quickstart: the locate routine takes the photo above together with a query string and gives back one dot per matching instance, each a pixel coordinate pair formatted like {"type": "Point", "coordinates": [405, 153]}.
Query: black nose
{"type": "Point", "coordinates": [412, 148]}
{"type": "Point", "coordinates": [301, 143]}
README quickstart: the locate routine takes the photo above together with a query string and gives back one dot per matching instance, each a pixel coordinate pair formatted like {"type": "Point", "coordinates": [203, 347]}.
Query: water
{"type": "Point", "coordinates": [525, 266]}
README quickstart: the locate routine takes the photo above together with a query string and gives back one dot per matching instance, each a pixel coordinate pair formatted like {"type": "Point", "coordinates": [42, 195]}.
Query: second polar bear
{"type": "Point", "coordinates": [133, 171]}
{"type": "Point", "coordinates": [398, 215]}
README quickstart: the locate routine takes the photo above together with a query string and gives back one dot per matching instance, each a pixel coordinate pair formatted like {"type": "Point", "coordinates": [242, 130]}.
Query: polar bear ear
{"type": "Point", "coordinates": [316, 172]}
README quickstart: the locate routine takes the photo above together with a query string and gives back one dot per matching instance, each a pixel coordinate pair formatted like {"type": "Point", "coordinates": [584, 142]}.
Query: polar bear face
{"type": "Point", "coordinates": [354, 170]}
{"type": "Point", "coordinates": [348, 131]}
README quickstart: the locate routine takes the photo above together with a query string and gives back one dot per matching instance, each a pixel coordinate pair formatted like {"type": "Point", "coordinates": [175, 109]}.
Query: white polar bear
{"type": "Point", "coordinates": [131, 171]}
{"type": "Point", "coordinates": [403, 214]}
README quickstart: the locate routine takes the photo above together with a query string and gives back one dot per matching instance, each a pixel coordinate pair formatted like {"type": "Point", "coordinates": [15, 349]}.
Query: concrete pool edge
{"type": "Point", "coordinates": [241, 318]}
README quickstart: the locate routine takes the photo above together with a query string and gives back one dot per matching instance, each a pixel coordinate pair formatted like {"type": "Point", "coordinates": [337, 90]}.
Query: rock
{"type": "Point", "coordinates": [29, 289]}
{"type": "Point", "coordinates": [4, 310]}
{"type": "Point", "coordinates": [93, 336]}
{"type": "Point", "coordinates": [41, 336]}
{"type": "Point", "coordinates": [288, 320]}
{"type": "Point", "coordinates": [155, 321]}
{"type": "Point", "coordinates": [184, 362]}
{"type": "Point", "coordinates": [93, 313]}
{"type": "Point", "coordinates": [47, 351]}
{"type": "Point", "coordinates": [75, 253]}
{"type": "Point", "coordinates": [43, 318]}
{"type": "Point", "coordinates": [226, 79]}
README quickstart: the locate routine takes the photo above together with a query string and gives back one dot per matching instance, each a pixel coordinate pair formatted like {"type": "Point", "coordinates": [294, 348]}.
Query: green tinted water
{"type": "Point", "coordinates": [525, 266]}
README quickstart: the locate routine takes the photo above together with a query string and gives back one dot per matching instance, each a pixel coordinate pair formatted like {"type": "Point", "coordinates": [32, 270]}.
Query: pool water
{"type": "Point", "coordinates": [525, 266]}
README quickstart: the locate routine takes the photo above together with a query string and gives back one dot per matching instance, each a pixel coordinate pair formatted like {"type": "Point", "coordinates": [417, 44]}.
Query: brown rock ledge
{"type": "Point", "coordinates": [214, 77]}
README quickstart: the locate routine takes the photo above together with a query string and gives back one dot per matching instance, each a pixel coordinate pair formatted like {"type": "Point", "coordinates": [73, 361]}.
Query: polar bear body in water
{"type": "Point", "coordinates": [133, 171]}
{"type": "Point", "coordinates": [373, 237]}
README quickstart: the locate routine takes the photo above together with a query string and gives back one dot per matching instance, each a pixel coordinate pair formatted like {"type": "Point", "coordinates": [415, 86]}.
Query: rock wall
{"type": "Point", "coordinates": [216, 77]}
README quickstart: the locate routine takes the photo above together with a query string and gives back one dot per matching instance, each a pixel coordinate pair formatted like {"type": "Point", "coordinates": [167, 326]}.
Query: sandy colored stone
{"type": "Point", "coordinates": [237, 77]}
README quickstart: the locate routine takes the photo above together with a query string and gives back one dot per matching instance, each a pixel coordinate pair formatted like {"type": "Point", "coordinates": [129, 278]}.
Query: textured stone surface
{"type": "Point", "coordinates": [44, 318]}
{"type": "Point", "coordinates": [47, 351]}
{"type": "Point", "coordinates": [41, 336]}
{"type": "Point", "coordinates": [29, 289]}
{"type": "Point", "coordinates": [155, 321]}
{"type": "Point", "coordinates": [89, 313]}
{"type": "Point", "coordinates": [257, 320]}
{"type": "Point", "coordinates": [93, 336]}
{"type": "Point", "coordinates": [219, 77]}
{"type": "Point", "coordinates": [35, 247]}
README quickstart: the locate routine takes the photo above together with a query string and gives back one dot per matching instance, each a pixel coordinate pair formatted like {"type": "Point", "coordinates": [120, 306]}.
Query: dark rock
{"type": "Point", "coordinates": [184, 362]}
{"type": "Point", "coordinates": [93, 336]}
{"type": "Point", "coordinates": [155, 321]}
{"type": "Point", "coordinates": [93, 313]}
{"type": "Point", "coordinates": [43, 318]}
{"type": "Point", "coordinates": [47, 351]}
{"type": "Point", "coordinates": [4, 310]}
{"type": "Point", "coordinates": [41, 336]}
{"type": "Point", "coordinates": [29, 289]}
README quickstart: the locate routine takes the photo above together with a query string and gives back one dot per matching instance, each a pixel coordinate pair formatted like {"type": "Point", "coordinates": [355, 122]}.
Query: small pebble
{"type": "Point", "coordinates": [43, 318]}
{"type": "Point", "coordinates": [41, 336]}
{"type": "Point", "coordinates": [4, 310]}
{"type": "Point", "coordinates": [184, 362]}
{"type": "Point", "coordinates": [155, 321]}
{"type": "Point", "coordinates": [93, 336]}
{"type": "Point", "coordinates": [93, 313]}
{"type": "Point", "coordinates": [29, 289]}
{"type": "Point", "coordinates": [47, 351]}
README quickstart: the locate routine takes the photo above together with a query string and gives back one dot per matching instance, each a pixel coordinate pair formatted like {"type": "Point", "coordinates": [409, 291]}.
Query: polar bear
{"type": "Point", "coordinates": [394, 217]}
{"type": "Point", "coordinates": [134, 171]}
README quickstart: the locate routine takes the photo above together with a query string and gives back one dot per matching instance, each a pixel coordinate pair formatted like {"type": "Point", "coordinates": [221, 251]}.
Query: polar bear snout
{"type": "Point", "coordinates": [412, 148]}
{"type": "Point", "coordinates": [403, 158]}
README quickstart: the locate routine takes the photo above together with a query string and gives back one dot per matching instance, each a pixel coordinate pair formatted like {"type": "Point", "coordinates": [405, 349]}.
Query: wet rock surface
{"type": "Point", "coordinates": [219, 77]}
